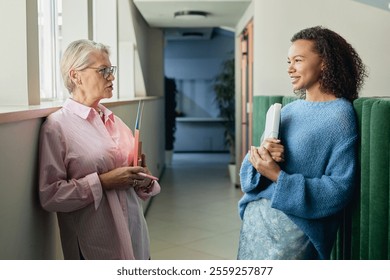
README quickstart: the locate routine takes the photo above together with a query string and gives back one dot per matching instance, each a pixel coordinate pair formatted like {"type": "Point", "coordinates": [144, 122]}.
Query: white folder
{"type": "Point", "coordinates": [272, 122]}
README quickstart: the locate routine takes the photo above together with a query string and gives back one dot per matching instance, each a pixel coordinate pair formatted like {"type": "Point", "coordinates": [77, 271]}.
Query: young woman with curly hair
{"type": "Point", "coordinates": [296, 187]}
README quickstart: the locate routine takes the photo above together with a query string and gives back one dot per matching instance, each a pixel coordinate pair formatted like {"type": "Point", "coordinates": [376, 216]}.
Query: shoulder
{"type": "Point", "coordinates": [343, 112]}
{"type": "Point", "coordinates": [342, 119]}
{"type": "Point", "coordinates": [55, 117]}
{"type": "Point", "coordinates": [56, 121]}
{"type": "Point", "coordinates": [292, 106]}
{"type": "Point", "coordinates": [345, 107]}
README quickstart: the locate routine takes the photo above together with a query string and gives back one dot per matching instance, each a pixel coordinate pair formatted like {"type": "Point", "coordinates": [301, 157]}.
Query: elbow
{"type": "Point", "coordinates": [47, 203]}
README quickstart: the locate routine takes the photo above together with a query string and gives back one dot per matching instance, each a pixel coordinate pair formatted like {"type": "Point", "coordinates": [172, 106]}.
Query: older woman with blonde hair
{"type": "Point", "coordinates": [85, 172]}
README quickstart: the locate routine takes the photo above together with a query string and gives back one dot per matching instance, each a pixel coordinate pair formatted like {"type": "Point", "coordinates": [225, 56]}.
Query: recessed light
{"type": "Point", "coordinates": [192, 34]}
{"type": "Point", "coordinates": [191, 14]}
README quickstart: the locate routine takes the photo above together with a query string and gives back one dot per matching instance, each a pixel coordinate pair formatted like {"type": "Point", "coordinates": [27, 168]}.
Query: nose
{"type": "Point", "coordinates": [111, 77]}
{"type": "Point", "coordinates": [290, 68]}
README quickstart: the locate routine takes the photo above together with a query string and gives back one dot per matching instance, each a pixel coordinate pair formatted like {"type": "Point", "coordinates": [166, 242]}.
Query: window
{"type": "Point", "coordinates": [50, 36]}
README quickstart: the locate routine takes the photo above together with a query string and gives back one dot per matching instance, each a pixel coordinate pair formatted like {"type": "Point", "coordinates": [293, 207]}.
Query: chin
{"type": "Point", "coordinates": [108, 95]}
{"type": "Point", "coordinates": [295, 88]}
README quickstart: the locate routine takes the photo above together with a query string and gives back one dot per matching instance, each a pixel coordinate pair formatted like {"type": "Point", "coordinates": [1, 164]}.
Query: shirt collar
{"type": "Point", "coordinates": [84, 111]}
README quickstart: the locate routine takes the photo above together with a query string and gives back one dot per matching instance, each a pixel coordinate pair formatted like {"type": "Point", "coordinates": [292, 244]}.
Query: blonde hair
{"type": "Point", "coordinates": [76, 56]}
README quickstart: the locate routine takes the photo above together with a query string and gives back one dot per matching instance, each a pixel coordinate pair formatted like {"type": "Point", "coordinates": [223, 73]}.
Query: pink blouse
{"type": "Point", "coordinates": [76, 146]}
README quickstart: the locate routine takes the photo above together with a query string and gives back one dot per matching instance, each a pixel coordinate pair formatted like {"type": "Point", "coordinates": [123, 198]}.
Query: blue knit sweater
{"type": "Point", "coordinates": [317, 177]}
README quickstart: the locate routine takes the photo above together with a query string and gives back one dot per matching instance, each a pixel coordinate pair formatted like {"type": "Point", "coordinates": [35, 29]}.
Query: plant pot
{"type": "Point", "coordinates": [232, 173]}
{"type": "Point", "coordinates": [168, 157]}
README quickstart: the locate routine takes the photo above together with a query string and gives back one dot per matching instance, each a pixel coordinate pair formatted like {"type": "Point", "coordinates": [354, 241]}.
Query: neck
{"type": "Point", "coordinates": [85, 101]}
{"type": "Point", "coordinates": [319, 96]}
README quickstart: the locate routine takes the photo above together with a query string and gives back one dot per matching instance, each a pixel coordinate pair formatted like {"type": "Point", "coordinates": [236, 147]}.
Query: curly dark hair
{"type": "Point", "coordinates": [344, 72]}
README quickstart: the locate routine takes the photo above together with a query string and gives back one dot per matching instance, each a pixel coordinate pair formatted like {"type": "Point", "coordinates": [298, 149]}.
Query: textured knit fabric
{"type": "Point", "coordinates": [76, 146]}
{"type": "Point", "coordinates": [317, 177]}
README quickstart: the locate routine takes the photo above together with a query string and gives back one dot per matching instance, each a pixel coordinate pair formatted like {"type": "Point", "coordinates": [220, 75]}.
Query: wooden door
{"type": "Point", "coordinates": [246, 88]}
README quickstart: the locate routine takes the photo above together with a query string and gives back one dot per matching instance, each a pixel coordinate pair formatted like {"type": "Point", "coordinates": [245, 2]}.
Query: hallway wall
{"type": "Point", "coordinates": [27, 231]}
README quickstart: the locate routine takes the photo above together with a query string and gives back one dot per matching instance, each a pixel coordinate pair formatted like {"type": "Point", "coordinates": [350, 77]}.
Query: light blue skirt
{"type": "Point", "coordinates": [268, 234]}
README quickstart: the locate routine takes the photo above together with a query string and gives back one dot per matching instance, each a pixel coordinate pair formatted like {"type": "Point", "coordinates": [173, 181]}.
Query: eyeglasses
{"type": "Point", "coordinates": [106, 71]}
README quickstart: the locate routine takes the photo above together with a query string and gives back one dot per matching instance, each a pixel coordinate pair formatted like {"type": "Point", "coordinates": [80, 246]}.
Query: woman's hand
{"type": "Point", "coordinates": [275, 148]}
{"type": "Point", "coordinates": [124, 178]}
{"type": "Point", "coordinates": [263, 162]}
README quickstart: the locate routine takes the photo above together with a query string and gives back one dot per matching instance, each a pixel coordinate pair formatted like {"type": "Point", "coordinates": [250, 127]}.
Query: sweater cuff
{"type": "Point", "coordinates": [250, 178]}
{"type": "Point", "coordinates": [96, 188]}
{"type": "Point", "coordinates": [278, 186]}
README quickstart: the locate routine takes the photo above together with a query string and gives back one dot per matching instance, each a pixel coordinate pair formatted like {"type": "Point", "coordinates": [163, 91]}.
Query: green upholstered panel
{"type": "Point", "coordinates": [261, 103]}
{"type": "Point", "coordinates": [337, 251]}
{"type": "Point", "coordinates": [288, 99]}
{"type": "Point", "coordinates": [365, 231]}
{"type": "Point", "coordinates": [347, 244]}
{"type": "Point", "coordinates": [353, 212]}
{"type": "Point", "coordinates": [365, 178]}
{"type": "Point", "coordinates": [379, 181]}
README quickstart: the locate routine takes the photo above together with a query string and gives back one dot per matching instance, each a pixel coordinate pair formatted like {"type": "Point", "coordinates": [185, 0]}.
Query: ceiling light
{"type": "Point", "coordinates": [191, 14]}
{"type": "Point", "coordinates": [192, 34]}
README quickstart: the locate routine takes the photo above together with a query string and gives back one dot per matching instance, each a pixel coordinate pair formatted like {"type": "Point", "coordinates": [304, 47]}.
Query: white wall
{"type": "Point", "coordinates": [105, 30]}
{"type": "Point", "coordinates": [365, 27]}
{"type": "Point", "coordinates": [143, 46]}
{"type": "Point", "coordinates": [19, 74]}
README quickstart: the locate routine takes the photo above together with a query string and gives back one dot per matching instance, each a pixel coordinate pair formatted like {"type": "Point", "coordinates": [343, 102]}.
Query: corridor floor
{"type": "Point", "coordinates": [195, 216]}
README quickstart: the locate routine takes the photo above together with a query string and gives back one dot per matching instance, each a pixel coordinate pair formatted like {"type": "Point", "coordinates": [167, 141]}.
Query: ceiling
{"type": "Point", "coordinates": [220, 13]}
{"type": "Point", "coordinates": [381, 4]}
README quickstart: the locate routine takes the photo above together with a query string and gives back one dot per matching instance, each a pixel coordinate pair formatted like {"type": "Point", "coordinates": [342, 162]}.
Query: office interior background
{"type": "Point", "coordinates": [148, 43]}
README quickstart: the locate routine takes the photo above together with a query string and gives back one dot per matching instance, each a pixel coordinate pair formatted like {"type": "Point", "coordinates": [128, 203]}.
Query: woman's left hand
{"type": "Point", "coordinates": [146, 183]}
{"type": "Point", "coordinates": [263, 162]}
{"type": "Point", "coordinates": [275, 148]}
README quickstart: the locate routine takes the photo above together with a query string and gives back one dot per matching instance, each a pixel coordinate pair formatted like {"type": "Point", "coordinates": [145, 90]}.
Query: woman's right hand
{"type": "Point", "coordinates": [121, 178]}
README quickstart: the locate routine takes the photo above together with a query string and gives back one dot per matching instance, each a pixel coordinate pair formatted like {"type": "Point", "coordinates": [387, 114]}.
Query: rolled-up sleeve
{"type": "Point", "coordinates": [57, 192]}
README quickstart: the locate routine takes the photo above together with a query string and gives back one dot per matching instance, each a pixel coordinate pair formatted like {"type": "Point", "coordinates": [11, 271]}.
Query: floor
{"type": "Point", "coordinates": [195, 216]}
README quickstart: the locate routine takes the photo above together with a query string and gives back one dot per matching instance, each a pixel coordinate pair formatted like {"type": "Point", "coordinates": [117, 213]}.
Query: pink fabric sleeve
{"type": "Point", "coordinates": [96, 188]}
{"type": "Point", "coordinates": [57, 193]}
{"type": "Point", "coordinates": [152, 191]}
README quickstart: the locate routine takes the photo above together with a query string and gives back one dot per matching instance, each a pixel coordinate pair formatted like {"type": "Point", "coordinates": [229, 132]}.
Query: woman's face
{"type": "Point", "coordinates": [305, 66]}
{"type": "Point", "coordinates": [93, 85]}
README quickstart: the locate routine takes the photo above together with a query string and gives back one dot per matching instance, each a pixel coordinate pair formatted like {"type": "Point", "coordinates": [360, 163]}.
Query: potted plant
{"type": "Point", "coordinates": [224, 88]}
{"type": "Point", "coordinates": [170, 118]}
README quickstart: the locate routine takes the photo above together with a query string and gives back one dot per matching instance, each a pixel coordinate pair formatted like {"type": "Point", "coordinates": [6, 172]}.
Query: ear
{"type": "Point", "coordinates": [322, 66]}
{"type": "Point", "coordinates": [75, 77]}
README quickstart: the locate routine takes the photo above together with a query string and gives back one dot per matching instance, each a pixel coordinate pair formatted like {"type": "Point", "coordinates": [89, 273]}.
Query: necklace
{"type": "Point", "coordinates": [100, 112]}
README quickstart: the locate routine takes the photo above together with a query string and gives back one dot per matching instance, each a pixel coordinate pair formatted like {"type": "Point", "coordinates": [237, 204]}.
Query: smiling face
{"type": "Point", "coordinates": [304, 66]}
{"type": "Point", "coordinates": [91, 85]}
